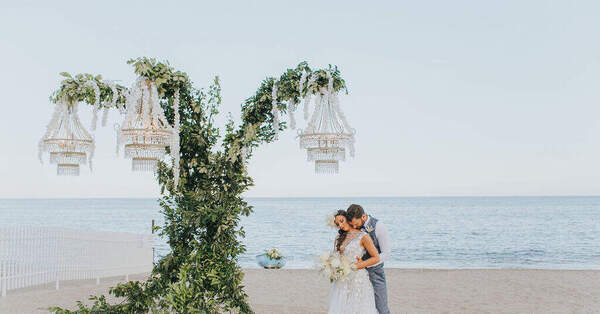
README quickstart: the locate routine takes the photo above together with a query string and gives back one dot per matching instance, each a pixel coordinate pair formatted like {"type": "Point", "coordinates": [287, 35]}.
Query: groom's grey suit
{"type": "Point", "coordinates": [376, 273]}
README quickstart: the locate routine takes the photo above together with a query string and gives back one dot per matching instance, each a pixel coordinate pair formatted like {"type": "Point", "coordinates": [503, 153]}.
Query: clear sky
{"type": "Point", "coordinates": [448, 97]}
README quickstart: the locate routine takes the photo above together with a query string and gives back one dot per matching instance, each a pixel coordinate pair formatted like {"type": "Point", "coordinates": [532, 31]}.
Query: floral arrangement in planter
{"type": "Point", "coordinates": [274, 254]}
{"type": "Point", "coordinates": [271, 259]}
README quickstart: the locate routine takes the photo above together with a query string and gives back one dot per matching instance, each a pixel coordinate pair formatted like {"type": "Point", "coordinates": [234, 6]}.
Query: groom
{"type": "Point", "coordinates": [378, 232]}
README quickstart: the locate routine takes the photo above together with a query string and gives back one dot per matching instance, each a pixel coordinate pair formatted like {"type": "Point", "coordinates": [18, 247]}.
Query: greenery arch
{"type": "Point", "coordinates": [202, 213]}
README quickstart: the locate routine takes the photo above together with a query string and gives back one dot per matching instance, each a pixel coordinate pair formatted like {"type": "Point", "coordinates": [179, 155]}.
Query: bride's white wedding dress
{"type": "Point", "coordinates": [355, 293]}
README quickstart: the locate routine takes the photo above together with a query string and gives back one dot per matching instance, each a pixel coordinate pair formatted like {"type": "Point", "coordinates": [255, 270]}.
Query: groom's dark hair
{"type": "Point", "coordinates": [354, 211]}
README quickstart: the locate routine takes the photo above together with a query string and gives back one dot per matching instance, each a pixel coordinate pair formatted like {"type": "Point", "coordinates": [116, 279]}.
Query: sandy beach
{"type": "Point", "coordinates": [410, 291]}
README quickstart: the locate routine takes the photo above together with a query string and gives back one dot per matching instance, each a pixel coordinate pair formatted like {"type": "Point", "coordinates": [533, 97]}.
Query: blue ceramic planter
{"type": "Point", "coordinates": [265, 262]}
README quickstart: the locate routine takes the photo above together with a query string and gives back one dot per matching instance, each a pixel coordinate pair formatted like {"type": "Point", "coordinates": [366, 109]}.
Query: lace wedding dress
{"type": "Point", "coordinates": [355, 293]}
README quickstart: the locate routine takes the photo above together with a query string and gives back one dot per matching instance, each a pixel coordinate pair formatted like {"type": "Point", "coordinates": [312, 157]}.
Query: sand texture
{"type": "Point", "coordinates": [410, 291]}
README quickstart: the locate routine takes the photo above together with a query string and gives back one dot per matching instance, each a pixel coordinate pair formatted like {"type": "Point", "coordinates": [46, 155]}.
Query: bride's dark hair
{"type": "Point", "coordinates": [341, 233]}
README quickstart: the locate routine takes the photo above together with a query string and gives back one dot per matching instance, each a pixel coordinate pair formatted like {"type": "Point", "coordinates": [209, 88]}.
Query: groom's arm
{"type": "Point", "coordinates": [384, 241]}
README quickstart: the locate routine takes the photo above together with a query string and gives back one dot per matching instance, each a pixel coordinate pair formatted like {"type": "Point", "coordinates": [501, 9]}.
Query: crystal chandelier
{"type": "Point", "coordinates": [66, 140]}
{"type": "Point", "coordinates": [328, 134]}
{"type": "Point", "coordinates": [145, 133]}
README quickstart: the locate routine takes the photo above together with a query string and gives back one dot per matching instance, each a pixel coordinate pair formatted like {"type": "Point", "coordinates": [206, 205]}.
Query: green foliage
{"type": "Point", "coordinates": [73, 89]}
{"type": "Point", "coordinates": [202, 213]}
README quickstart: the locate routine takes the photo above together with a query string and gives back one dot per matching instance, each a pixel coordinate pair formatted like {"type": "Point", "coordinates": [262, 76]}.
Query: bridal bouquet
{"type": "Point", "coordinates": [335, 266]}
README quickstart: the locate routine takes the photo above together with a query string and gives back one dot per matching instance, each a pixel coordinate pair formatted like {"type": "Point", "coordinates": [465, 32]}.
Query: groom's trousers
{"type": "Point", "coordinates": [377, 277]}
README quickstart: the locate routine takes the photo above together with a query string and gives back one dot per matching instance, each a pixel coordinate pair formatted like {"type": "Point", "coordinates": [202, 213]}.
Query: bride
{"type": "Point", "coordinates": [354, 294]}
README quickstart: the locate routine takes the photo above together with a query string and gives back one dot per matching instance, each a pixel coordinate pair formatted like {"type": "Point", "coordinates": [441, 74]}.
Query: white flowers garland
{"type": "Point", "coordinates": [308, 95]}
{"type": "Point", "coordinates": [335, 102]}
{"type": "Point", "coordinates": [91, 155]}
{"type": "Point", "coordinates": [117, 128]}
{"type": "Point", "coordinates": [291, 109]}
{"type": "Point", "coordinates": [340, 113]}
{"type": "Point", "coordinates": [175, 146]}
{"type": "Point", "coordinates": [244, 153]}
{"type": "Point", "coordinates": [329, 82]}
{"type": "Point", "coordinates": [302, 81]}
{"type": "Point", "coordinates": [94, 86]}
{"type": "Point", "coordinates": [115, 97]}
{"type": "Point", "coordinates": [147, 103]}
{"type": "Point", "coordinates": [313, 119]}
{"type": "Point", "coordinates": [274, 109]}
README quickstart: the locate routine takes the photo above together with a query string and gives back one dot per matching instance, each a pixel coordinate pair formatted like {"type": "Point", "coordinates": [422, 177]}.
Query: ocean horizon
{"type": "Point", "coordinates": [441, 232]}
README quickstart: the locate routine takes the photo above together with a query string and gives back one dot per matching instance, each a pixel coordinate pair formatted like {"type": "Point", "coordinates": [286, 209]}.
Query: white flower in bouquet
{"type": "Point", "coordinates": [335, 262]}
{"type": "Point", "coordinates": [334, 266]}
{"type": "Point", "coordinates": [324, 256]}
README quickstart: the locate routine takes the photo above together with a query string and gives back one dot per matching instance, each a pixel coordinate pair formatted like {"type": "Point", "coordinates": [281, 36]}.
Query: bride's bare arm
{"type": "Point", "coordinates": [367, 243]}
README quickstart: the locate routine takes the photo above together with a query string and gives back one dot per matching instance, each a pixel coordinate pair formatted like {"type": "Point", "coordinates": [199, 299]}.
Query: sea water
{"type": "Point", "coordinates": [425, 232]}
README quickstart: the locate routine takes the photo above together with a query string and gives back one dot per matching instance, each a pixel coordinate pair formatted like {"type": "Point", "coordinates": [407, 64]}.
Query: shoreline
{"type": "Point", "coordinates": [414, 290]}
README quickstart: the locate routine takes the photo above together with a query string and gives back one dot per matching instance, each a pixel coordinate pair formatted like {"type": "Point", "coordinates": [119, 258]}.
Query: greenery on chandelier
{"type": "Point", "coordinates": [202, 213]}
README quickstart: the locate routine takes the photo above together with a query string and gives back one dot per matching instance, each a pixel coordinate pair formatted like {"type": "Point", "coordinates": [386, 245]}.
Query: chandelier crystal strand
{"type": "Point", "coordinates": [306, 140]}
{"type": "Point", "coordinates": [175, 144]}
{"type": "Point", "coordinates": [274, 109]}
{"type": "Point", "coordinates": [58, 108]}
{"type": "Point", "coordinates": [67, 170]}
{"type": "Point", "coordinates": [94, 119]}
{"type": "Point", "coordinates": [314, 154]}
{"type": "Point", "coordinates": [327, 167]}
{"type": "Point", "coordinates": [104, 116]}
{"type": "Point", "coordinates": [352, 131]}
{"type": "Point", "coordinates": [92, 147]}
{"type": "Point", "coordinates": [91, 157]}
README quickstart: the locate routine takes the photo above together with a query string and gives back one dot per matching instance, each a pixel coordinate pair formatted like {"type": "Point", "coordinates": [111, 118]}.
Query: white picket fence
{"type": "Point", "coordinates": [32, 256]}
